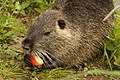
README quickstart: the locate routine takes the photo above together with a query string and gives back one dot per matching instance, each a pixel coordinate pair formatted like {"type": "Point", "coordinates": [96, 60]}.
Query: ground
{"type": "Point", "coordinates": [14, 68]}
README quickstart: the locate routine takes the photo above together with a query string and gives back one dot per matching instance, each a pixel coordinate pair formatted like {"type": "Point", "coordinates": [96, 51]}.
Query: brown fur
{"type": "Point", "coordinates": [83, 35]}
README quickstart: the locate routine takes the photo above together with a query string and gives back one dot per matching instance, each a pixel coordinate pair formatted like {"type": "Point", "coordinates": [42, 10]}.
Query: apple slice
{"type": "Point", "coordinates": [36, 60]}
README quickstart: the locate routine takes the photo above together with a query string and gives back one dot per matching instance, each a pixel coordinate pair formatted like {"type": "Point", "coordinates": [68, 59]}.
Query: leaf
{"type": "Point", "coordinates": [12, 62]}
{"type": "Point", "coordinates": [9, 33]}
{"type": "Point", "coordinates": [110, 38]}
{"type": "Point", "coordinates": [23, 12]}
{"type": "Point", "coordinates": [107, 57]}
{"type": "Point", "coordinates": [38, 1]}
{"type": "Point", "coordinates": [117, 60]}
{"type": "Point", "coordinates": [25, 4]}
{"type": "Point", "coordinates": [116, 32]}
{"type": "Point", "coordinates": [38, 10]}
{"type": "Point", "coordinates": [17, 6]}
{"type": "Point", "coordinates": [110, 47]}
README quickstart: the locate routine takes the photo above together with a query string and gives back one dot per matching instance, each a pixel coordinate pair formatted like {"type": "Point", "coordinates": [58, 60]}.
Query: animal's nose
{"type": "Point", "coordinates": [26, 44]}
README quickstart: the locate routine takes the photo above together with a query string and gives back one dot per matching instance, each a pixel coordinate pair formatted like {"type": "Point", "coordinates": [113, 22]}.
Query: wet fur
{"type": "Point", "coordinates": [83, 35]}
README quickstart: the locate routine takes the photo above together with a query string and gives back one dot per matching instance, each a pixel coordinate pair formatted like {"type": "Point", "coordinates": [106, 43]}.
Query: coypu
{"type": "Point", "coordinates": [70, 33]}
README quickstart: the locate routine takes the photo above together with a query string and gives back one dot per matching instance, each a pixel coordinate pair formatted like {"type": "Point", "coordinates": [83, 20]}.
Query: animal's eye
{"type": "Point", "coordinates": [61, 24]}
{"type": "Point", "coordinates": [47, 33]}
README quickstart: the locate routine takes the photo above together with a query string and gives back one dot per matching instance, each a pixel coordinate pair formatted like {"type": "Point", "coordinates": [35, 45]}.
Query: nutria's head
{"type": "Point", "coordinates": [53, 38]}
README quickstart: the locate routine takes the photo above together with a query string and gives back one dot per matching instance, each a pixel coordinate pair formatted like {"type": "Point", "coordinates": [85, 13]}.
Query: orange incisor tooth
{"type": "Point", "coordinates": [36, 60]}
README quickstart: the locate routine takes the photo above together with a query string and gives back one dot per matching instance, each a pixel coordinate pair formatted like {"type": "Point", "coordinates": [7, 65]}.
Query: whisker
{"type": "Point", "coordinates": [51, 62]}
{"type": "Point", "coordinates": [54, 63]}
{"type": "Point", "coordinates": [49, 59]}
{"type": "Point", "coordinates": [43, 57]}
{"type": "Point", "coordinates": [52, 56]}
{"type": "Point", "coordinates": [36, 53]}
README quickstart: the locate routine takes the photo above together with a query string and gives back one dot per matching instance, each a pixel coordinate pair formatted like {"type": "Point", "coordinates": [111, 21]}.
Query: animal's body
{"type": "Point", "coordinates": [70, 33]}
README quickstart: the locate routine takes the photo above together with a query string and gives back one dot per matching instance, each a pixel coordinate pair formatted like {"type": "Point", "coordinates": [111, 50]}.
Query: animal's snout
{"type": "Point", "coordinates": [27, 44]}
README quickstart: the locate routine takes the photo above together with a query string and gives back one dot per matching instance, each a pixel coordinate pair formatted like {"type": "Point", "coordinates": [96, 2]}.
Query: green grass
{"type": "Point", "coordinates": [112, 47]}
{"type": "Point", "coordinates": [12, 29]}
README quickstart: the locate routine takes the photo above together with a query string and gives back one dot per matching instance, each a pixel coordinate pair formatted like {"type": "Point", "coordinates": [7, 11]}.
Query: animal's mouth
{"type": "Point", "coordinates": [40, 59]}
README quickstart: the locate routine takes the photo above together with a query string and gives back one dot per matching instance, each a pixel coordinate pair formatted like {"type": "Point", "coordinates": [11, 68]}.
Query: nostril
{"type": "Point", "coordinates": [25, 41]}
{"type": "Point", "coordinates": [26, 44]}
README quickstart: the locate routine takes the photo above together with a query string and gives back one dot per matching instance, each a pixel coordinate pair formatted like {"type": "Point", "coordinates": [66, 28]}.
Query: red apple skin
{"type": "Point", "coordinates": [34, 61]}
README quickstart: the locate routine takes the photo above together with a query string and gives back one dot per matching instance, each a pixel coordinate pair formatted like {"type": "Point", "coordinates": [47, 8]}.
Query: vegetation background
{"type": "Point", "coordinates": [16, 17]}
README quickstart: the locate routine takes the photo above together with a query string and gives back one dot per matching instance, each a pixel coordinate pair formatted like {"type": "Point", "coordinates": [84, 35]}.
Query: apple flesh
{"type": "Point", "coordinates": [36, 60]}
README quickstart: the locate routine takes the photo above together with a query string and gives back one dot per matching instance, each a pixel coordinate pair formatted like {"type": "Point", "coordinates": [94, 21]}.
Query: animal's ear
{"type": "Point", "coordinates": [82, 11]}
{"type": "Point", "coordinates": [59, 4]}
